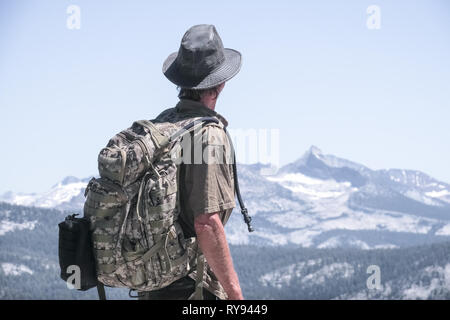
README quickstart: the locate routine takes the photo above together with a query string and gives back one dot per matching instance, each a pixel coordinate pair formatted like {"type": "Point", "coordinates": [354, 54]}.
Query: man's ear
{"type": "Point", "coordinates": [219, 89]}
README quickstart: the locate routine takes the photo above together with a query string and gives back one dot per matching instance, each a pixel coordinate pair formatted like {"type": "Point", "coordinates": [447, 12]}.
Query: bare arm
{"type": "Point", "coordinates": [212, 241]}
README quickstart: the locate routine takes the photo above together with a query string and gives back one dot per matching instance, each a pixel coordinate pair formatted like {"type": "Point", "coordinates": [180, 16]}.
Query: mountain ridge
{"type": "Point", "coordinates": [319, 200]}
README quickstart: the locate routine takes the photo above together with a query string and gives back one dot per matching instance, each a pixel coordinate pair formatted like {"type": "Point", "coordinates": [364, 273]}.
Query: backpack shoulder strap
{"type": "Point", "coordinates": [191, 126]}
{"type": "Point", "coordinates": [157, 136]}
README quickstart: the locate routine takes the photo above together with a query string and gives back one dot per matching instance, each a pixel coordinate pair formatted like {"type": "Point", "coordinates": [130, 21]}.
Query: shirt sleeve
{"type": "Point", "coordinates": [208, 184]}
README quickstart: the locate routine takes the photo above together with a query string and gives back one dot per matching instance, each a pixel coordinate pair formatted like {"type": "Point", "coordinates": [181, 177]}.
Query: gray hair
{"type": "Point", "coordinates": [196, 95]}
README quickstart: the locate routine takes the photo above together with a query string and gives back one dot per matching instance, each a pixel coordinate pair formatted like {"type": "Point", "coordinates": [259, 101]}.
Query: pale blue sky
{"type": "Point", "coordinates": [310, 68]}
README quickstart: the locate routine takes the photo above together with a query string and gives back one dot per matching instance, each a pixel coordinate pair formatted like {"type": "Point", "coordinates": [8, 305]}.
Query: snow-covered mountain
{"type": "Point", "coordinates": [324, 201]}
{"type": "Point", "coordinates": [320, 201]}
{"type": "Point", "coordinates": [68, 194]}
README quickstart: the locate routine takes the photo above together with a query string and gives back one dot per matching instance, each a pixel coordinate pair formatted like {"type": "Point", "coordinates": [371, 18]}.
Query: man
{"type": "Point", "coordinates": [206, 190]}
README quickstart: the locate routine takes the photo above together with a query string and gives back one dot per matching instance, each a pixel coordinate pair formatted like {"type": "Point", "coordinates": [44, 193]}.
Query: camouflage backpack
{"type": "Point", "coordinates": [133, 209]}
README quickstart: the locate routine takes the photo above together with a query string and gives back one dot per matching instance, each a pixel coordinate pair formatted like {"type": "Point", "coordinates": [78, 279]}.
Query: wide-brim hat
{"type": "Point", "coordinates": [202, 62]}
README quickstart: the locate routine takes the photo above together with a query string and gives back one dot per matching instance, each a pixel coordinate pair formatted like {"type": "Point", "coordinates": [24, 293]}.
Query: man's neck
{"type": "Point", "coordinates": [209, 102]}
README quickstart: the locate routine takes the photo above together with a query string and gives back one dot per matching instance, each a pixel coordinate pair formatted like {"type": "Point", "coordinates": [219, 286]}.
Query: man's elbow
{"type": "Point", "coordinates": [207, 223]}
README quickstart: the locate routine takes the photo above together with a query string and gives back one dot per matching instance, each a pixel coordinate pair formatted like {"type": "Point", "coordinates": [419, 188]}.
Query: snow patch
{"type": "Point", "coordinates": [438, 194]}
{"type": "Point", "coordinates": [334, 271]}
{"type": "Point", "coordinates": [441, 278]}
{"type": "Point", "coordinates": [293, 220]}
{"type": "Point", "coordinates": [418, 196]}
{"type": "Point", "coordinates": [284, 276]}
{"type": "Point", "coordinates": [444, 231]}
{"type": "Point", "coordinates": [303, 237]}
{"type": "Point", "coordinates": [59, 194]}
{"type": "Point", "coordinates": [9, 226]}
{"type": "Point", "coordinates": [332, 242]}
{"type": "Point", "coordinates": [314, 188]}
{"type": "Point", "coordinates": [11, 269]}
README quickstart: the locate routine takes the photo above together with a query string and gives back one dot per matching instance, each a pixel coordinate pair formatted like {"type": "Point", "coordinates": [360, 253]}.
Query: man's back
{"type": "Point", "coordinates": [206, 185]}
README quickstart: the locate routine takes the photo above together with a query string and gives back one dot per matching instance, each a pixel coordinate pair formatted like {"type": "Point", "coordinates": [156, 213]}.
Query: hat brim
{"type": "Point", "coordinates": [227, 70]}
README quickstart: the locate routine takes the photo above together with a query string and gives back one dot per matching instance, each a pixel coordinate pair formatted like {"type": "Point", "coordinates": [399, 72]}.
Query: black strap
{"type": "Point", "coordinates": [101, 291]}
{"type": "Point", "coordinates": [244, 211]}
